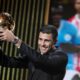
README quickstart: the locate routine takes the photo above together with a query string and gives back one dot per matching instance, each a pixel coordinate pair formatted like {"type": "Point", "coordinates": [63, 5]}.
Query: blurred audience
{"type": "Point", "coordinates": [58, 21]}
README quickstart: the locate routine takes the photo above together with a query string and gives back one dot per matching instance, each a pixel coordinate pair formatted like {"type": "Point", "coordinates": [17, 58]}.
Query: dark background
{"type": "Point", "coordinates": [68, 8]}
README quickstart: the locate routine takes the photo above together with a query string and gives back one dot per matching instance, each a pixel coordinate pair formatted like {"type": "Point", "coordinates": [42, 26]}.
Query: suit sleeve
{"type": "Point", "coordinates": [55, 60]}
{"type": "Point", "coordinates": [13, 62]}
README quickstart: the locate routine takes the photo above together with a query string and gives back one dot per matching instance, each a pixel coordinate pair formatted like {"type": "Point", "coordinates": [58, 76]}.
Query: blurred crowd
{"type": "Point", "coordinates": [68, 32]}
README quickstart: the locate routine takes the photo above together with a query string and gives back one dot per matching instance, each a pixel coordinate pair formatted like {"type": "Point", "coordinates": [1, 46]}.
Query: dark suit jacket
{"type": "Point", "coordinates": [50, 66]}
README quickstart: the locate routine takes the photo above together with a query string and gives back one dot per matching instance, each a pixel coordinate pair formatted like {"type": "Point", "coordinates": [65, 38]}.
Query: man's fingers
{"type": "Point", "coordinates": [7, 35]}
{"type": "Point", "coordinates": [2, 38]}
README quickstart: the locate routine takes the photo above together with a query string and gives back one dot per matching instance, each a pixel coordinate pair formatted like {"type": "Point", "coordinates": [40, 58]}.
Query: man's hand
{"type": "Point", "coordinates": [6, 35]}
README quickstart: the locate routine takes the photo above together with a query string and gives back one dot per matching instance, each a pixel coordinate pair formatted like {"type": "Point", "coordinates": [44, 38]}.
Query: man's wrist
{"type": "Point", "coordinates": [17, 42]}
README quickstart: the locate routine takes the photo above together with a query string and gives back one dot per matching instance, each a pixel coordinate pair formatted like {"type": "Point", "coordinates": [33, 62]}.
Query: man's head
{"type": "Point", "coordinates": [77, 5]}
{"type": "Point", "coordinates": [57, 14]}
{"type": "Point", "coordinates": [6, 21]}
{"type": "Point", "coordinates": [47, 38]}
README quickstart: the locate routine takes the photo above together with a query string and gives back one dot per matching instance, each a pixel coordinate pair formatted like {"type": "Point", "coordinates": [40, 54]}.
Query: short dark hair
{"type": "Point", "coordinates": [49, 29]}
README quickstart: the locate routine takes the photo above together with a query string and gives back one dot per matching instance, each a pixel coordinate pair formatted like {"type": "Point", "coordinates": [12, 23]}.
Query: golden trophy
{"type": "Point", "coordinates": [7, 21]}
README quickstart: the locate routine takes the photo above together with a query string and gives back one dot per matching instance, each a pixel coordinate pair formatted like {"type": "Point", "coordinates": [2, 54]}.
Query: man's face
{"type": "Point", "coordinates": [77, 5]}
{"type": "Point", "coordinates": [45, 42]}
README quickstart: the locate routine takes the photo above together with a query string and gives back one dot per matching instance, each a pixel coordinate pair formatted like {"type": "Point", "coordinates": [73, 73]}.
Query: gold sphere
{"type": "Point", "coordinates": [6, 20]}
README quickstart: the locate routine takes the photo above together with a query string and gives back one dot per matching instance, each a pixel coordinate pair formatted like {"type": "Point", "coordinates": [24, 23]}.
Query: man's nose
{"type": "Point", "coordinates": [43, 43]}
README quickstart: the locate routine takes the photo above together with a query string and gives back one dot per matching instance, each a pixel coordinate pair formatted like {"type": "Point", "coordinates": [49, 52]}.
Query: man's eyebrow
{"type": "Point", "coordinates": [47, 39]}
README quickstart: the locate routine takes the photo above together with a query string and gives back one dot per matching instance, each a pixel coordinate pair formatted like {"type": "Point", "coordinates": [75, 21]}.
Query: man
{"type": "Point", "coordinates": [75, 20]}
{"type": "Point", "coordinates": [66, 40]}
{"type": "Point", "coordinates": [66, 34]}
{"type": "Point", "coordinates": [46, 64]}
{"type": "Point", "coordinates": [75, 61]}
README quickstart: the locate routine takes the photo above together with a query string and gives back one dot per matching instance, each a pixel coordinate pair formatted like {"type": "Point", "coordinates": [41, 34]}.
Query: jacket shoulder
{"type": "Point", "coordinates": [58, 50]}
